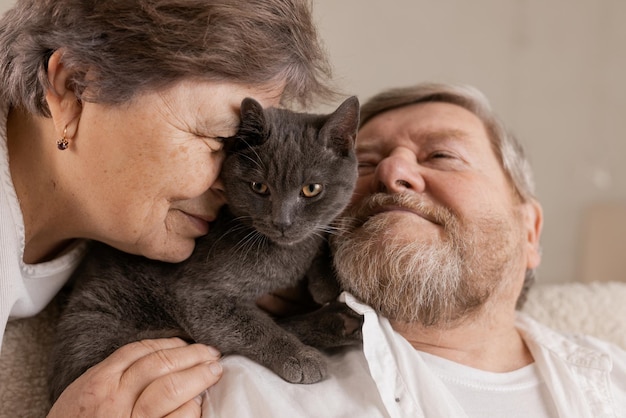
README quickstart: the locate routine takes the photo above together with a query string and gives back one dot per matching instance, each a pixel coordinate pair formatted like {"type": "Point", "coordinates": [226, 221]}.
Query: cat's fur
{"type": "Point", "coordinates": [263, 240]}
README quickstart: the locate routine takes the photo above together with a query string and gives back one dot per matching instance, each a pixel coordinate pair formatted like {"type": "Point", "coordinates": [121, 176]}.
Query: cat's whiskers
{"type": "Point", "coordinates": [320, 232]}
{"type": "Point", "coordinates": [235, 228]}
{"type": "Point", "coordinates": [248, 243]}
{"type": "Point", "coordinates": [242, 218]}
{"type": "Point", "coordinates": [340, 225]}
{"type": "Point", "coordinates": [327, 228]}
{"type": "Point", "coordinates": [258, 237]}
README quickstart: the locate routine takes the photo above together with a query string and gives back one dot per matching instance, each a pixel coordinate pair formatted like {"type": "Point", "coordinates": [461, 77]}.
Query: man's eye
{"type": "Point", "coordinates": [440, 154]}
{"type": "Point", "coordinates": [366, 168]}
{"type": "Point", "coordinates": [312, 190]}
{"type": "Point", "coordinates": [260, 188]}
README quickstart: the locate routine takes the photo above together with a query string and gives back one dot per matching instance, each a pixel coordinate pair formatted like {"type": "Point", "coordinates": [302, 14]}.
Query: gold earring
{"type": "Point", "coordinates": [63, 143]}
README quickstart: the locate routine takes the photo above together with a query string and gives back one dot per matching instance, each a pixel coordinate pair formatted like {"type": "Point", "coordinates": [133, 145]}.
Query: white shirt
{"type": "Point", "coordinates": [519, 394]}
{"type": "Point", "coordinates": [387, 377]}
{"type": "Point", "coordinates": [25, 289]}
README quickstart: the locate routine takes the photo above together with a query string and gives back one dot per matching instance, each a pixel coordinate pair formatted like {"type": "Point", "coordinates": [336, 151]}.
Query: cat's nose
{"type": "Point", "coordinates": [282, 215]}
{"type": "Point", "coordinates": [282, 225]}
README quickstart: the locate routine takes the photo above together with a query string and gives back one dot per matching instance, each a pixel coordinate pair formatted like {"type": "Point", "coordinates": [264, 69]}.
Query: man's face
{"type": "Point", "coordinates": [435, 227]}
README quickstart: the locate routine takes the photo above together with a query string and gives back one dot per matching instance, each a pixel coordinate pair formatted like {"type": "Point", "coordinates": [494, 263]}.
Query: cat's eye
{"type": "Point", "coordinates": [260, 188]}
{"type": "Point", "coordinates": [312, 190]}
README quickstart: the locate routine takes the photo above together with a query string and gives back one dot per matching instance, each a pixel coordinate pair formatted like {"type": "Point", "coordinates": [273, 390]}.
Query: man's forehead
{"type": "Point", "coordinates": [443, 114]}
{"type": "Point", "coordinates": [417, 134]}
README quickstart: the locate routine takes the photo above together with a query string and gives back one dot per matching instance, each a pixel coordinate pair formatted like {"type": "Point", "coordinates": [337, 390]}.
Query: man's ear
{"type": "Point", "coordinates": [533, 222]}
{"type": "Point", "coordinates": [65, 107]}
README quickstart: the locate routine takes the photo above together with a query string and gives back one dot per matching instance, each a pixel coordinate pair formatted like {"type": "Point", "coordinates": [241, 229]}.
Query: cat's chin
{"type": "Point", "coordinates": [288, 241]}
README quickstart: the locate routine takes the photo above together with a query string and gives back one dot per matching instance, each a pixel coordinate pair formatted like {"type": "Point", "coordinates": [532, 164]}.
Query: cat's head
{"type": "Point", "coordinates": [290, 174]}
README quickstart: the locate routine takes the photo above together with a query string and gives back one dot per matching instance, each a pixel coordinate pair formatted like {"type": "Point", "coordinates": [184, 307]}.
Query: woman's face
{"type": "Point", "coordinates": [146, 172]}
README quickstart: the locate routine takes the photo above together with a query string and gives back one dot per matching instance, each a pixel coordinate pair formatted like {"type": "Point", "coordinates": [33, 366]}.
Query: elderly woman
{"type": "Point", "coordinates": [112, 117]}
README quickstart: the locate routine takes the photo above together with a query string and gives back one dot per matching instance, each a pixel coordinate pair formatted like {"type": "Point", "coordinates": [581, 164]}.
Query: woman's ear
{"type": "Point", "coordinates": [65, 107]}
{"type": "Point", "coordinates": [533, 222]}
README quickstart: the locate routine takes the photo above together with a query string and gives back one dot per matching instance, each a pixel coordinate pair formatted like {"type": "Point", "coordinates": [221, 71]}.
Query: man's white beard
{"type": "Point", "coordinates": [434, 283]}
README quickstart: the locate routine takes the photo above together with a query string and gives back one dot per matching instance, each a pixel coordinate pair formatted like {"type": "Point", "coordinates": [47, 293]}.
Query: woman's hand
{"type": "Point", "coordinates": [149, 378]}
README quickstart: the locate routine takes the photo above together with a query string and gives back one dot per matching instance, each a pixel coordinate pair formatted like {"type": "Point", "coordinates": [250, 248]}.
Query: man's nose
{"type": "Point", "coordinates": [400, 172]}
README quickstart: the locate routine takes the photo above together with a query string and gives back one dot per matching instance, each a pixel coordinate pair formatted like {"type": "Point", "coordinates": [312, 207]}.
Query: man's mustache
{"type": "Point", "coordinates": [411, 202]}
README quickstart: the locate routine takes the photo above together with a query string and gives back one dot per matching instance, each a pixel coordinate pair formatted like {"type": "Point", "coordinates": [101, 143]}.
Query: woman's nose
{"type": "Point", "coordinates": [218, 185]}
{"type": "Point", "coordinates": [399, 172]}
{"type": "Point", "coordinates": [217, 192]}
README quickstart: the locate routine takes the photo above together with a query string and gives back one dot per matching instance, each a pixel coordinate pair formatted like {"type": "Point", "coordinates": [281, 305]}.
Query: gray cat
{"type": "Point", "coordinates": [286, 175]}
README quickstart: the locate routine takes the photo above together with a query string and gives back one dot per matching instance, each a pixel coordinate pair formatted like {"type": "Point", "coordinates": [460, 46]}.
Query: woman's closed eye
{"type": "Point", "coordinates": [215, 144]}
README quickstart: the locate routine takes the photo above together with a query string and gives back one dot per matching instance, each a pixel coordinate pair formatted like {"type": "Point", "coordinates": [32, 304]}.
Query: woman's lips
{"type": "Point", "coordinates": [200, 223]}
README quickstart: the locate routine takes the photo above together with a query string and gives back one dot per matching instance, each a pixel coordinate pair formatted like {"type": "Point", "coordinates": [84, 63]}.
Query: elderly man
{"type": "Point", "coordinates": [440, 241]}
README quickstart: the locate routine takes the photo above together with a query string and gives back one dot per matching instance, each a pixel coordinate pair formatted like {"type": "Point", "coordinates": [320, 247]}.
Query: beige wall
{"type": "Point", "coordinates": [555, 70]}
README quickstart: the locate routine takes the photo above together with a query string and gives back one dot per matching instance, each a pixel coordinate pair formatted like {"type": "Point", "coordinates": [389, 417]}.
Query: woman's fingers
{"type": "Point", "coordinates": [167, 393]}
{"type": "Point", "coordinates": [165, 379]}
{"type": "Point", "coordinates": [161, 361]}
{"type": "Point", "coordinates": [125, 356]}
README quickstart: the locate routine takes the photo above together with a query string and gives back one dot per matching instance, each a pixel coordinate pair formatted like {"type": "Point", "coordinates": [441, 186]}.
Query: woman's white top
{"type": "Point", "coordinates": [25, 289]}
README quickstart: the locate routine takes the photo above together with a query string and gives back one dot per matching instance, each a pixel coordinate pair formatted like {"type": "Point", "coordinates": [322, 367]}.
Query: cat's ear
{"type": "Point", "coordinates": [252, 126]}
{"type": "Point", "coordinates": [341, 127]}
{"type": "Point", "coordinates": [253, 129]}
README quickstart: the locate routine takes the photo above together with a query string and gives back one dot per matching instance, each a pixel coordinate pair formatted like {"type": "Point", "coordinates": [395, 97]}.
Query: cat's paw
{"type": "Point", "coordinates": [324, 291]}
{"type": "Point", "coordinates": [306, 366]}
{"type": "Point", "coordinates": [333, 325]}
{"type": "Point", "coordinates": [352, 324]}
{"type": "Point", "coordinates": [338, 323]}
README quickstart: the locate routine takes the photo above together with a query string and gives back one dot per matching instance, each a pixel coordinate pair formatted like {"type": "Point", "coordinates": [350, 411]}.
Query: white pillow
{"type": "Point", "coordinates": [597, 309]}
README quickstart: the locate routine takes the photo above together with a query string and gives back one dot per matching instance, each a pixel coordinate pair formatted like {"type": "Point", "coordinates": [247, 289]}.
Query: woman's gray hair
{"type": "Point", "coordinates": [117, 49]}
{"type": "Point", "coordinates": [506, 147]}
